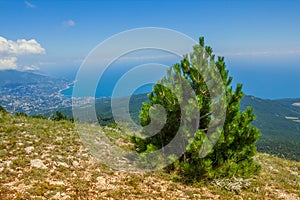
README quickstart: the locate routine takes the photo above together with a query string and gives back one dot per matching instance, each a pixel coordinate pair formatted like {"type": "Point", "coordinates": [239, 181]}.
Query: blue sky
{"type": "Point", "coordinates": [259, 39]}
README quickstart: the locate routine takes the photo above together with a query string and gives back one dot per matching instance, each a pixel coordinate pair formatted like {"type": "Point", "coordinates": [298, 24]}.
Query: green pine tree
{"type": "Point", "coordinates": [233, 153]}
{"type": "Point", "coordinates": [59, 116]}
{"type": "Point", "coordinates": [2, 109]}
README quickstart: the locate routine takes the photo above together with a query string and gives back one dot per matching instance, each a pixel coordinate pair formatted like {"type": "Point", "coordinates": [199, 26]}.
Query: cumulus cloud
{"type": "Point", "coordinates": [10, 50]}
{"type": "Point", "coordinates": [20, 47]}
{"type": "Point", "coordinates": [8, 63]}
{"type": "Point", "coordinates": [69, 23]}
{"type": "Point", "coordinates": [29, 5]}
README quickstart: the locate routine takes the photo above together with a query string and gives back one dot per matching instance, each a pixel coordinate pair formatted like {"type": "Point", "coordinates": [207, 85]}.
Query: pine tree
{"type": "Point", "coordinates": [232, 155]}
{"type": "Point", "coordinates": [59, 116]}
{"type": "Point", "coordinates": [2, 109]}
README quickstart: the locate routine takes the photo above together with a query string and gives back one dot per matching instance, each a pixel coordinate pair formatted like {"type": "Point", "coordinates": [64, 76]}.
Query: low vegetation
{"type": "Point", "coordinates": [44, 159]}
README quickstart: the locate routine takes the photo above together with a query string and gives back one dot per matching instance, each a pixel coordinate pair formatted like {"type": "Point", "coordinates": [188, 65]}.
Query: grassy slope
{"type": "Point", "coordinates": [70, 172]}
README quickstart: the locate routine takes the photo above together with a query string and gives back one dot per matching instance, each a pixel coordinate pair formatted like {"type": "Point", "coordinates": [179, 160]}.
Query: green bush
{"type": "Point", "coordinates": [59, 116]}
{"type": "Point", "coordinates": [2, 109]}
{"type": "Point", "coordinates": [39, 117]}
{"type": "Point", "coordinates": [233, 153]}
{"type": "Point", "coordinates": [21, 114]}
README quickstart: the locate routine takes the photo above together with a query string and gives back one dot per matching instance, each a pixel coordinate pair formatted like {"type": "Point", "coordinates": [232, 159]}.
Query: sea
{"type": "Point", "coordinates": [263, 81]}
{"type": "Point", "coordinates": [106, 92]}
{"type": "Point", "coordinates": [138, 74]}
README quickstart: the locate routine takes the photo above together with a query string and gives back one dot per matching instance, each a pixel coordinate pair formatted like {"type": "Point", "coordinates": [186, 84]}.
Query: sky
{"type": "Point", "coordinates": [260, 40]}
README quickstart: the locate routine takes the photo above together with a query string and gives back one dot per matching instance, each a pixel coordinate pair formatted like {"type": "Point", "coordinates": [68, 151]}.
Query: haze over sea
{"type": "Point", "coordinates": [110, 78]}
{"type": "Point", "coordinates": [268, 82]}
{"type": "Point", "coordinates": [106, 92]}
{"type": "Point", "coordinates": [263, 76]}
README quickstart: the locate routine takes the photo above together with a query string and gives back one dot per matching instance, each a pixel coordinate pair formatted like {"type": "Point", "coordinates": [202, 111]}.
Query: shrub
{"type": "Point", "coordinates": [59, 116]}
{"type": "Point", "coordinates": [2, 109]}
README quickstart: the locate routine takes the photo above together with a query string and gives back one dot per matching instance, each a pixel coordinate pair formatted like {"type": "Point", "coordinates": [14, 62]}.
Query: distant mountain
{"type": "Point", "coordinates": [15, 77]}
{"type": "Point", "coordinates": [279, 123]}
{"type": "Point", "coordinates": [24, 91]}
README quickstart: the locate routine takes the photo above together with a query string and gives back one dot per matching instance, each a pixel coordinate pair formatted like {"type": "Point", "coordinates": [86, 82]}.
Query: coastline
{"type": "Point", "coordinates": [68, 86]}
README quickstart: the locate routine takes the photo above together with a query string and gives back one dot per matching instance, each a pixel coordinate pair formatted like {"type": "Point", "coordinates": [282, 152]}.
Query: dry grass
{"type": "Point", "coordinates": [70, 172]}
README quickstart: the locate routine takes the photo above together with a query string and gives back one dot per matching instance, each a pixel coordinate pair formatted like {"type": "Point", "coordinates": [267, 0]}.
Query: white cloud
{"type": "Point", "coordinates": [10, 50]}
{"type": "Point", "coordinates": [8, 63]}
{"type": "Point", "coordinates": [20, 47]}
{"type": "Point", "coordinates": [69, 23]}
{"type": "Point", "coordinates": [30, 68]}
{"type": "Point", "coordinates": [29, 5]}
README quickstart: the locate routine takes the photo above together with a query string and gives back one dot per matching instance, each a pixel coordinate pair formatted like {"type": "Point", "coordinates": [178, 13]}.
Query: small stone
{"type": "Point", "coordinates": [38, 164]}
{"type": "Point", "coordinates": [294, 173]}
{"type": "Point", "coordinates": [75, 163]}
{"type": "Point", "coordinates": [63, 164]}
{"type": "Point", "coordinates": [101, 180]}
{"type": "Point", "coordinates": [8, 163]}
{"type": "Point", "coordinates": [29, 149]}
{"type": "Point", "coordinates": [57, 196]}
{"type": "Point", "coordinates": [56, 183]}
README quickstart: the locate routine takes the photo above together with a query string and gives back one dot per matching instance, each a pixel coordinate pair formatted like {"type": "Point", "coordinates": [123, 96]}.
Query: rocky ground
{"type": "Point", "coordinates": [43, 159]}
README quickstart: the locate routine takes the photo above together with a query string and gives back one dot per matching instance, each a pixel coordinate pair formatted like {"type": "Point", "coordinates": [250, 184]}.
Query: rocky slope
{"type": "Point", "coordinates": [43, 159]}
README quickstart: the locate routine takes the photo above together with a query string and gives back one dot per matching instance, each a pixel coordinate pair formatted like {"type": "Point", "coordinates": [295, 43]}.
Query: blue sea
{"type": "Point", "coordinates": [138, 74]}
{"type": "Point", "coordinates": [109, 81]}
{"type": "Point", "coordinates": [106, 92]}
{"type": "Point", "coordinates": [264, 81]}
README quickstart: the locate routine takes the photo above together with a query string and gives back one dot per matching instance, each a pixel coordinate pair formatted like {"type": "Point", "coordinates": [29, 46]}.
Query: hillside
{"type": "Point", "coordinates": [22, 91]}
{"type": "Point", "coordinates": [278, 121]}
{"type": "Point", "coordinates": [14, 78]}
{"type": "Point", "coordinates": [43, 159]}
